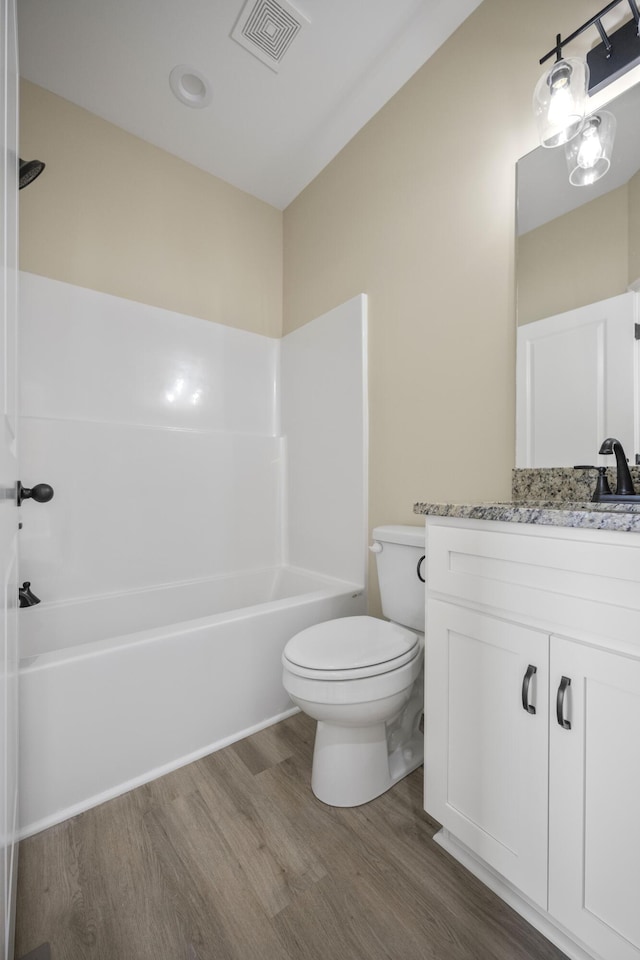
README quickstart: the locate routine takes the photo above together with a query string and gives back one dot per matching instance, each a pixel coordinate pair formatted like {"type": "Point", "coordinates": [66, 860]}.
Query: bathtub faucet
{"type": "Point", "coordinates": [26, 597]}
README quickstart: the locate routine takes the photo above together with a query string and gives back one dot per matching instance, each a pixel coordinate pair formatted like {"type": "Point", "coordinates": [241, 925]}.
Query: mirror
{"type": "Point", "coordinates": [577, 254]}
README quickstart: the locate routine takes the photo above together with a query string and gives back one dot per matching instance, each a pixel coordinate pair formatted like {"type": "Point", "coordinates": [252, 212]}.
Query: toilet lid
{"type": "Point", "coordinates": [352, 644]}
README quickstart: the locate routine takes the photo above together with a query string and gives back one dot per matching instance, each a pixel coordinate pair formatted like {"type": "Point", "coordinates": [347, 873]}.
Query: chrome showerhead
{"type": "Point", "coordinates": [29, 170]}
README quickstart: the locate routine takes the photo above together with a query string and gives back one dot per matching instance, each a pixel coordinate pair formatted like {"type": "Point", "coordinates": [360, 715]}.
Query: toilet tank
{"type": "Point", "coordinates": [398, 551]}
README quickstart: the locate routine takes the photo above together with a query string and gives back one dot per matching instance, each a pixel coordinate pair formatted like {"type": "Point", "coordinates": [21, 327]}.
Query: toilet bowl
{"type": "Point", "coordinates": [362, 680]}
{"type": "Point", "coordinates": [354, 701]}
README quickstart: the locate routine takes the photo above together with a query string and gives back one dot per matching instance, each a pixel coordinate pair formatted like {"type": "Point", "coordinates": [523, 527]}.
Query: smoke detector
{"type": "Point", "coordinates": [267, 28]}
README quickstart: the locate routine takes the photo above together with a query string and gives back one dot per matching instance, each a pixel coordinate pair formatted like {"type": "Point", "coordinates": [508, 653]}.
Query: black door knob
{"type": "Point", "coordinates": [41, 493]}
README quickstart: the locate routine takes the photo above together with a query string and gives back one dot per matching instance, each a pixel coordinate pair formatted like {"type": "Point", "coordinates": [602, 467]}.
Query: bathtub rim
{"type": "Point", "coordinates": [326, 587]}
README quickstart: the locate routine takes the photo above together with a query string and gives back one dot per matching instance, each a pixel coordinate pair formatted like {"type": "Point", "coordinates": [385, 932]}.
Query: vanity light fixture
{"type": "Point", "coordinates": [559, 102]}
{"type": "Point", "coordinates": [589, 153]}
{"type": "Point", "coordinates": [560, 95]}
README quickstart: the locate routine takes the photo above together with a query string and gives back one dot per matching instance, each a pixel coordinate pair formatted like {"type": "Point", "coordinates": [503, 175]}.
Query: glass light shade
{"type": "Point", "coordinates": [589, 154]}
{"type": "Point", "coordinates": [559, 102]}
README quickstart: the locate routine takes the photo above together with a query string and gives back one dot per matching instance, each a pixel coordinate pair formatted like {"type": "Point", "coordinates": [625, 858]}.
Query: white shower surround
{"type": "Point", "coordinates": [173, 463]}
{"type": "Point", "coordinates": [97, 424]}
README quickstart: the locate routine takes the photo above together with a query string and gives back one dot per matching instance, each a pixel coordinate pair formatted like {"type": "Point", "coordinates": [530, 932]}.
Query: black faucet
{"type": "Point", "coordinates": [26, 597]}
{"type": "Point", "coordinates": [624, 483]}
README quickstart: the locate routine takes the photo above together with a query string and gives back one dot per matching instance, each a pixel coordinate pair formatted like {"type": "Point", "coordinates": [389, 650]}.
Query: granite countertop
{"type": "Point", "coordinates": [557, 513]}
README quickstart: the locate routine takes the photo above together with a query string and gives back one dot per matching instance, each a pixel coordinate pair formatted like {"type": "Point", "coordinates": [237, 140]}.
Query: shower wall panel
{"type": "Point", "coordinates": [91, 356]}
{"type": "Point", "coordinates": [158, 433]}
{"type": "Point", "coordinates": [324, 420]}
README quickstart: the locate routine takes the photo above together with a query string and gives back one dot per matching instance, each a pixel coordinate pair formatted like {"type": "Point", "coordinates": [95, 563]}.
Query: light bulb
{"type": "Point", "coordinates": [590, 150]}
{"type": "Point", "coordinates": [559, 102]}
{"type": "Point", "coordinates": [589, 154]}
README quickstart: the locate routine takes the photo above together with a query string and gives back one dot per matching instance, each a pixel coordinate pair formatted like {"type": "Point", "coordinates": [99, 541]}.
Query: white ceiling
{"type": "Point", "coordinates": [267, 133]}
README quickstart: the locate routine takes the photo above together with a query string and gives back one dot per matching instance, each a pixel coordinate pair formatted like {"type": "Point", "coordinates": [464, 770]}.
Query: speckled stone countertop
{"type": "Point", "coordinates": [555, 513]}
{"type": "Point", "coordinates": [551, 496]}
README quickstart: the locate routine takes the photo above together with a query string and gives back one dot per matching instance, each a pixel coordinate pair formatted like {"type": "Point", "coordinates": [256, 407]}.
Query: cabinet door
{"type": "Point", "coordinates": [486, 769]}
{"type": "Point", "coordinates": [594, 807]}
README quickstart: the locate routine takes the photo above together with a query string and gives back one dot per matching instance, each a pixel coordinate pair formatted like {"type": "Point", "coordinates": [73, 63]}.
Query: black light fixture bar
{"type": "Point", "coordinates": [557, 50]}
{"type": "Point", "coordinates": [603, 35]}
{"type": "Point", "coordinates": [615, 55]}
{"type": "Point", "coordinates": [625, 53]}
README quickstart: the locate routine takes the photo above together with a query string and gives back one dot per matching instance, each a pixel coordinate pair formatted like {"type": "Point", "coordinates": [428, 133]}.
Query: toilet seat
{"type": "Point", "coordinates": [350, 648]}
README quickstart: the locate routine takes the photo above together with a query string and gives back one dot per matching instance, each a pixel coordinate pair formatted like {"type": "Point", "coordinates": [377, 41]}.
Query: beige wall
{"type": "Point", "coordinates": [634, 228]}
{"type": "Point", "coordinates": [579, 258]}
{"type": "Point", "coordinates": [418, 212]}
{"type": "Point", "coordinates": [118, 215]}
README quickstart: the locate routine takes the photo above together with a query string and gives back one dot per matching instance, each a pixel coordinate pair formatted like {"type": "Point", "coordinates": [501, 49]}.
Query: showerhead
{"type": "Point", "coordinates": [29, 170]}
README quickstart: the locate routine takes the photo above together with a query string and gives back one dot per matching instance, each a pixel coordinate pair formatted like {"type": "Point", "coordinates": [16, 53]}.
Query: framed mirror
{"type": "Point", "coordinates": [577, 277]}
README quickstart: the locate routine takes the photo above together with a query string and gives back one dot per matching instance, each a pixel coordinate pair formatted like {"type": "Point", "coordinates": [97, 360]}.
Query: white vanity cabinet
{"type": "Point", "coordinates": [544, 805]}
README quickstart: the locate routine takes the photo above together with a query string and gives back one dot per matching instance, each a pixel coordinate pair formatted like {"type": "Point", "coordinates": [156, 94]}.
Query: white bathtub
{"type": "Point", "coordinates": [118, 690]}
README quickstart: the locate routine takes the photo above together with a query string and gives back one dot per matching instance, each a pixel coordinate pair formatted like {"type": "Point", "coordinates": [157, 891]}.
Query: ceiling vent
{"type": "Point", "coordinates": [267, 28]}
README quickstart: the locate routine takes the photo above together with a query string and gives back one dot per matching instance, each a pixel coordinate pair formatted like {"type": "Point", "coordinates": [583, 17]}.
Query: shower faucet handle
{"type": "Point", "coordinates": [41, 493]}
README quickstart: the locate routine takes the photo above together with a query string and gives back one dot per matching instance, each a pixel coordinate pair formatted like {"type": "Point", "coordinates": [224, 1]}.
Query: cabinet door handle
{"type": "Point", "coordinates": [562, 689]}
{"type": "Point", "coordinates": [526, 683]}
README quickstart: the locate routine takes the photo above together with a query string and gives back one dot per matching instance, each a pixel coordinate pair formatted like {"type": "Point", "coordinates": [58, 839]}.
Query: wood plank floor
{"type": "Point", "coordinates": [233, 858]}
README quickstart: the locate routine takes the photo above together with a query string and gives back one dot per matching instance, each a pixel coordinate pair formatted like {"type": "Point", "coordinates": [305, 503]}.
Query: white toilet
{"type": "Point", "coordinates": [362, 679]}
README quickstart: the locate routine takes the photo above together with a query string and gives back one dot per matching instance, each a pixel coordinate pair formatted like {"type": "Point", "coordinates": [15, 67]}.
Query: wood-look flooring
{"type": "Point", "coordinates": [233, 858]}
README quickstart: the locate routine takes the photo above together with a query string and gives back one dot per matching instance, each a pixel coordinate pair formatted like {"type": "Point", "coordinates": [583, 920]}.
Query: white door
{"type": "Point", "coordinates": [8, 471]}
{"type": "Point", "coordinates": [487, 728]}
{"type": "Point", "coordinates": [575, 384]}
{"type": "Point", "coordinates": [594, 805]}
